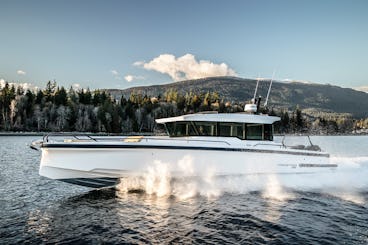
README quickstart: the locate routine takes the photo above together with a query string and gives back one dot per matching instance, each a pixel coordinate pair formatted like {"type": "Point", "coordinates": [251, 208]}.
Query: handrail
{"type": "Point", "coordinates": [283, 141]}
{"type": "Point", "coordinates": [276, 144]}
{"type": "Point", "coordinates": [74, 135]}
{"type": "Point", "coordinates": [311, 146]}
{"type": "Point", "coordinates": [119, 138]}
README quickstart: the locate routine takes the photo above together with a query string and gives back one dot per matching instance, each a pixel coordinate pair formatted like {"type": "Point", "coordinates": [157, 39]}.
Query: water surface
{"type": "Point", "coordinates": [319, 208]}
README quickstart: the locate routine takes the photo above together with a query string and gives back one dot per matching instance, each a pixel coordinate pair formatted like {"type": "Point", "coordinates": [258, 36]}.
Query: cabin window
{"type": "Point", "coordinates": [178, 129]}
{"type": "Point", "coordinates": [239, 130]}
{"type": "Point", "coordinates": [231, 130]}
{"type": "Point", "coordinates": [268, 132]}
{"type": "Point", "coordinates": [224, 129]}
{"type": "Point", "coordinates": [254, 132]}
{"type": "Point", "coordinates": [206, 128]}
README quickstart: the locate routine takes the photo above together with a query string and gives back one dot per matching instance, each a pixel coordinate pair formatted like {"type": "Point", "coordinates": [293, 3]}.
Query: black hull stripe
{"type": "Point", "coordinates": [168, 147]}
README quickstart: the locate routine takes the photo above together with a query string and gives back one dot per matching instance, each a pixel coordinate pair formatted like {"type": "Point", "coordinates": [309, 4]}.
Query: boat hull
{"type": "Point", "coordinates": [100, 166]}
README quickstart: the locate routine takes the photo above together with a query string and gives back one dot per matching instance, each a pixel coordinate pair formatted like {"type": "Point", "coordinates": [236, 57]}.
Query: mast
{"type": "Point", "coordinates": [269, 89]}
{"type": "Point", "coordinates": [253, 107]}
{"type": "Point", "coordinates": [255, 91]}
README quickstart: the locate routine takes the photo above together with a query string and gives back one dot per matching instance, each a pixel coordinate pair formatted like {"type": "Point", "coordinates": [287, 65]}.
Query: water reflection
{"type": "Point", "coordinates": [74, 217]}
{"type": "Point", "coordinates": [119, 216]}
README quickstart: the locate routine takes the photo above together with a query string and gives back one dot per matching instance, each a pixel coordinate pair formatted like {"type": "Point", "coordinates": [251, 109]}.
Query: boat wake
{"type": "Point", "coordinates": [347, 182]}
{"type": "Point", "coordinates": [159, 181]}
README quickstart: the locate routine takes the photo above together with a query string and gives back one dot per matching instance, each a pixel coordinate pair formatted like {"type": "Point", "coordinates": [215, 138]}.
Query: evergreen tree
{"type": "Point", "coordinates": [299, 119]}
{"type": "Point", "coordinates": [61, 97]}
{"type": "Point", "coordinates": [50, 91]}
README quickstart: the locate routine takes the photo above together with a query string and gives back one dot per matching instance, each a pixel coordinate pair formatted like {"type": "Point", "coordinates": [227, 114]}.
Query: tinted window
{"type": "Point", "coordinates": [180, 129]}
{"type": "Point", "coordinates": [231, 130]}
{"type": "Point", "coordinates": [268, 132]}
{"type": "Point", "coordinates": [224, 129]}
{"type": "Point", "coordinates": [239, 130]}
{"type": "Point", "coordinates": [254, 132]}
{"type": "Point", "coordinates": [206, 128]}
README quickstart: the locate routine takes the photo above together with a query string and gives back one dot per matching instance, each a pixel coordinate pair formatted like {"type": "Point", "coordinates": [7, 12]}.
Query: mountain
{"type": "Point", "coordinates": [318, 97]}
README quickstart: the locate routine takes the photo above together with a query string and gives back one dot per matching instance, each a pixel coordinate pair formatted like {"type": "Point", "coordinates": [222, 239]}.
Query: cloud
{"type": "Point", "coordinates": [138, 63]}
{"type": "Point", "coordinates": [20, 72]}
{"type": "Point", "coordinates": [362, 88]}
{"type": "Point", "coordinates": [186, 67]}
{"type": "Point", "coordinates": [76, 86]}
{"type": "Point", "coordinates": [296, 81]}
{"type": "Point", "coordinates": [130, 78]}
{"type": "Point", "coordinates": [25, 86]}
{"type": "Point", "coordinates": [116, 74]}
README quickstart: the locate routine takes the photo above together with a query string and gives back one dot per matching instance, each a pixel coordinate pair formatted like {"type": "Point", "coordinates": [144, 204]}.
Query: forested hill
{"type": "Point", "coordinates": [319, 97]}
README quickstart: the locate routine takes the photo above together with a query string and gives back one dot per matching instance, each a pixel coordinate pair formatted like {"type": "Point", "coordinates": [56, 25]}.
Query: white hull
{"type": "Point", "coordinates": [81, 163]}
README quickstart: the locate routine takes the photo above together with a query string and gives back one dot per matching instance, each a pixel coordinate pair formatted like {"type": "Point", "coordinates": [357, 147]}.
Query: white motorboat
{"type": "Point", "coordinates": [223, 143]}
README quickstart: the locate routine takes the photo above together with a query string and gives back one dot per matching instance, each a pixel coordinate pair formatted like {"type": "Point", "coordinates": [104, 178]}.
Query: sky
{"type": "Point", "coordinates": [121, 44]}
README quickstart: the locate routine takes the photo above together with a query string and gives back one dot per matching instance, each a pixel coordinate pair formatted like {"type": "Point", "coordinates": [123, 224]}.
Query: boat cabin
{"type": "Point", "coordinates": [240, 125]}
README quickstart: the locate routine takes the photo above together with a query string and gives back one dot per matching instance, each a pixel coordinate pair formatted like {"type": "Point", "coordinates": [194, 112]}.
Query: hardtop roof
{"type": "Point", "coordinates": [222, 117]}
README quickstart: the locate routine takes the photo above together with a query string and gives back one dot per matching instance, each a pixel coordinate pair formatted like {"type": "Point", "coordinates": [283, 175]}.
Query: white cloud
{"type": "Point", "coordinates": [362, 88]}
{"type": "Point", "coordinates": [130, 78]}
{"type": "Point", "coordinates": [25, 86]}
{"type": "Point", "coordinates": [76, 86]}
{"type": "Point", "coordinates": [20, 72]}
{"type": "Point", "coordinates": [186, 67]}
{"type": "Point", "coordinates": [296, 81]}
{"type": "Point", "coordinates": [116, 74]}
{"type": "Point", "coordinates": [138, 63]}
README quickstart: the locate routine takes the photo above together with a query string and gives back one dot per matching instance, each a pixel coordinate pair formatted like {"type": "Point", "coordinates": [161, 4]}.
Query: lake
{"type": "Point", "coordinates": [328, 208]}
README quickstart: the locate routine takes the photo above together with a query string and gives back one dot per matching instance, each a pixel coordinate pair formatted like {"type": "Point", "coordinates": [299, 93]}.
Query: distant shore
{"type": "Point", "coordinates": [21, 134]}
{"type": "Point", "coordinates": [46, 133]}
{"type": "Point", "coordinates": [147, 134]}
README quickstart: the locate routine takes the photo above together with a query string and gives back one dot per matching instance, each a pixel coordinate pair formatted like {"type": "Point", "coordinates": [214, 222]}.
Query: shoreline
{"type": "Point", "coordinates": [144, 134]}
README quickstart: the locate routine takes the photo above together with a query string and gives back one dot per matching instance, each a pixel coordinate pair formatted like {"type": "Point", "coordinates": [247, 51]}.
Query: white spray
{"type": "Point", "coordinates": [346, 182]}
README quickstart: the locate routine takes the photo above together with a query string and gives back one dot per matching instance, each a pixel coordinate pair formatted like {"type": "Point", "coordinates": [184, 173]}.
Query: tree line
{"type": "Point", "coordinates": [57, 109]}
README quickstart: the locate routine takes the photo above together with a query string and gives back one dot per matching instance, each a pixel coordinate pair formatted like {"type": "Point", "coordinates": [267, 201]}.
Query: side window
{"type": "Point", "coordinates": [206, 128]}
{"type": "Point", "coordinates": [231, 130]}
{"type": "Point", "coordinates": [177, 129]}
{"type": "Point", "coordinates": [224, 129]}
{"type": "Point", "coordinates": [254, 132]}
{"type": "Point", "coordinates": [191, 129]}
{"type": "Point", "coordinates": [237, 130]}
{"type": "Point", "coordinates": [268, 132]}
{"type": "Point", "coordinates": [170, 128]}
{"type": "Point", "coordinates": [180, 129]}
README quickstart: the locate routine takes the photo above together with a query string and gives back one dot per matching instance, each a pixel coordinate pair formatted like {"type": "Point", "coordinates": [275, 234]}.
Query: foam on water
{"type": "Point", "coordinates": [159, 181]}
{"type": "Point", "coordinates": [350, 178]}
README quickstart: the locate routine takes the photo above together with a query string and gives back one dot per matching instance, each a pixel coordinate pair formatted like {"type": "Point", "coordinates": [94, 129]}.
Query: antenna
{"type": "Point", "coordinates": [269, 89]}
{"type": "Point", "coordinates": [255, 92]}
{"type": "Point", "coordinates": [254, 106]}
